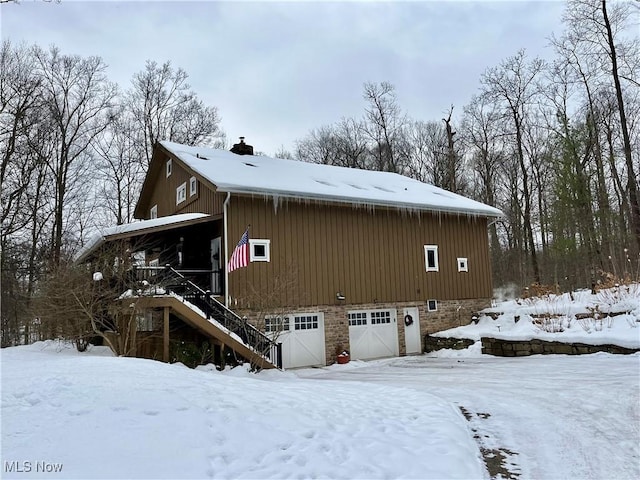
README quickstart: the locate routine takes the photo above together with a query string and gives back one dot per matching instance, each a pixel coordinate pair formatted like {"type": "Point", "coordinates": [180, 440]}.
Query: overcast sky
{"type": "Point", "coordinates": [276, 70]}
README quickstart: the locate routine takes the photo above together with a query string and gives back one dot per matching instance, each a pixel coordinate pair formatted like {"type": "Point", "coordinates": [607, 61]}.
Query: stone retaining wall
{"type": "Point", "coordinates": [438, 343]}
{"type": "Point", "coordinates": [521, 348]}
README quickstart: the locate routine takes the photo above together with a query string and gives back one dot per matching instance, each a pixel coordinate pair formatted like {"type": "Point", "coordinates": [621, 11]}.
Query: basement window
{"type": "Point", "coordinates": [169, 167]}
{"type": "Point", "coordinates": [181, 193]}
{"type": "Point", "coordinates": [259, 250]}
{"type": "Point", "coordinates": [153, 213]}
{"type": "Point", "coordinates": [432, 305]}
{"type": "Point", "coordinates": [431, 258]}
{"type": "Point", "coordinates": [193, 186]}
{"type": "Point", "coordinates": [463, 264]}
{"type": "Point", "coordinates": [148, 322]}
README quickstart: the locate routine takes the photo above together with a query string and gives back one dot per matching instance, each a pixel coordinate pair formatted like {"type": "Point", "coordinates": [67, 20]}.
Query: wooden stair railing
{"type": "Point", "coordinates": [163, 280]}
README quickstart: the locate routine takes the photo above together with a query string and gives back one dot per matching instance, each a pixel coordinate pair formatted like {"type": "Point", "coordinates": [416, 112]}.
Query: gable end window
{"type": "Point", "coordinates": [193, 186]}
{"type": "Point", "coordinates": [463, 264]}
{"type": "Point", "coordinates": [181, 193]}
{"type": "Point", "coordinates": [431, 258]}
{"type": "Point", "coordinates": [168, 168]}
{"type": "Point", "coordinates": [153, 213]}
{"type": "Point", "coordinates": [259, 250]}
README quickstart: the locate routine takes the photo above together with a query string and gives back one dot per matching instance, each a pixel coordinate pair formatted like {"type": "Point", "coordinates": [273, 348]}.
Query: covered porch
{"type": "Point", "coordinates": [167, 298]}
{"type": "Point", "coordinates": [191, 244]}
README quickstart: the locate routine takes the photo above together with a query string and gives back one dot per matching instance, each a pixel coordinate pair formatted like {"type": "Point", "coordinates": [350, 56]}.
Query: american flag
{"type": "Point", "coordinates": [240, 256]}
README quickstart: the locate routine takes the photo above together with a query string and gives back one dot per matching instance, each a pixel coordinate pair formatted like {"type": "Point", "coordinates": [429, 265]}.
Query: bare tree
{"type": "Point", "coordinates": [79, 99]}
{"type": "Point", "coordinates": [120, 174]}
{"type": "Point", "coordinates": [384, 122]}
{"type": "Point", "coordinates": [164, 108]}
{"type": "Point", "coordinates": [19, 101]}
{"type": "Point", "coordinates": [596, 33]}
{"type": "Point", "coordinates": [482, 132]}
{"type": "Point", "coordinates": [98, 300]}
{"type": "Point", "coordinates": [513, 86]}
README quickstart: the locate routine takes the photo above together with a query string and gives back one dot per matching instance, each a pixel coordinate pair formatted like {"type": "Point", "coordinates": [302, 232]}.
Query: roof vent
{"type": "Point", "coordinates": [242, 148]}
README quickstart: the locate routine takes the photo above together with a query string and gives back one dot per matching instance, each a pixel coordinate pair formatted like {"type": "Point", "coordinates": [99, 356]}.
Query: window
{"type": "Point", "coordinates": [154, 263]}
{"type": "Point", "coordinates": [259, 250]}
{"type": "Point", "coordinates": [378, 317]}
{"type": "Point", "coordinates": [276, 324]}
{"type": "Point", "coordinates": [305, 322]}
{"type": "Point", "coordinates": [168, 168]}
{"type": "Point", "coordinates": [193, 186]}
{"type": "Point", "coordinates": [432, 305]}
{"type": "Point", "coordinates": [153, 213]}
{"type": "Point", "coordinates": [463, 264]}
{"type": "Point", "coordinates": [148, 322]}
{"type": "Point", "coordinates": [357, 318]}
{"type": "Point", "coordinates": [431, 258]}
{"type": "Point", "coordinates": [371, 317]}
{"type": "Point", "coordinates": [181, 193]}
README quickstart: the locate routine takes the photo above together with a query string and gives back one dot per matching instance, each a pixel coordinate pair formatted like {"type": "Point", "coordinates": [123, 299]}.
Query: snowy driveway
{"type": "Point", "coordinates": [563, 416]}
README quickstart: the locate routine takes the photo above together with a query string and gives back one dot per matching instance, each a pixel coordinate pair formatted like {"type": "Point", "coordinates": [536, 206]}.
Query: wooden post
{"type": "Point", "coordinates": [165, 353]}
{"type": "Point", "coordinates": [132, 350]}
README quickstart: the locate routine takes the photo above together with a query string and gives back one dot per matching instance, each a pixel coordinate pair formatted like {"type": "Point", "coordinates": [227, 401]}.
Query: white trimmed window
{"type": "Point", "coordinates": [305, 322]}
{"type": "Point", "coordinates": [276, 324]}
{"type": "Point", "coordinates": [181, 193]}
{"type": "Point", "coordinates": [463, 264]}
{"type": "Point", "coordinates": [431, 258]}
{"type": "Point", "coordinates": [193, 186]}
{"type": "Point", "coordinates": [259, 250]}
{"type": "Point", "coordinates": [357, 318]}
{"type": "Point", "coordinates": [169, 167]}
{"type": "Point", "coordinates": [153, 213]}
{"type": "Point", "coordinates": [432, 305]}
{"type": "Point", "coordinates": [378, 317]}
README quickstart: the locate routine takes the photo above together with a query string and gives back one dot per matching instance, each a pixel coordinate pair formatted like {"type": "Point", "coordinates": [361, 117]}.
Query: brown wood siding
{"type": "Point", "coordinates": [206, 200]}
{"type": "Point", "coordinates": [369, 256]}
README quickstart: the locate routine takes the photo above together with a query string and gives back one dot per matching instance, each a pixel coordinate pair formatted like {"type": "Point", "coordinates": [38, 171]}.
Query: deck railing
{"type": "Point", "coordinates": [163, 280]}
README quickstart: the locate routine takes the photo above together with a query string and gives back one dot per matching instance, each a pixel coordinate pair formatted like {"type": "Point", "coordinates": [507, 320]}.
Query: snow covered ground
{"type": "Point", "coordinates": [98, 416]}
{"type": "Point", "coordinates": [447, 414]}
{"type": "Point", "coordinates": [103, 417]}
{"type": "Point", "coordinates": [579, 317]}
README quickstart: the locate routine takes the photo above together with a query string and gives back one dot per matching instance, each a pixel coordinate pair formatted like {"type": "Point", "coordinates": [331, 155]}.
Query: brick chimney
{"type": "Point", "coordinates": [242, 148]}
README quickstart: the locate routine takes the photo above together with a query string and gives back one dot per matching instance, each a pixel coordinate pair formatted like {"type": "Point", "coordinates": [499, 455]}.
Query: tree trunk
{"type": "Point", "coordinates": [634, 207]}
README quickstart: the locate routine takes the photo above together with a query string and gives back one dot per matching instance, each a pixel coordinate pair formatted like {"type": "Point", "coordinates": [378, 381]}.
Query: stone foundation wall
{"type": "Point", "coordinates": [521, 348]}
{"type": "Point", "coordinates": [449, 314]}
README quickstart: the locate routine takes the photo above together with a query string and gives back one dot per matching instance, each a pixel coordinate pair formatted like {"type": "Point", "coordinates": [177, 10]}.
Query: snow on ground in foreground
{"type": "Point", "coordinates": [623, 330]}
{"type": "Point", "coordinates": [106, 417]}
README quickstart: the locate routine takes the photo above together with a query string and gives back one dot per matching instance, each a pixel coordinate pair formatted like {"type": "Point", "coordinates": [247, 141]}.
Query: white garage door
{"type": "Point", "coordinates": [302, 338]}
{"type": "Point", "coordinates": [373, 334]}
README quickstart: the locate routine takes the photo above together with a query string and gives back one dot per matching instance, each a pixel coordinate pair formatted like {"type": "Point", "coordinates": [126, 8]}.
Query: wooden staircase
{"type": "Point", "coordinates": [168, 288]}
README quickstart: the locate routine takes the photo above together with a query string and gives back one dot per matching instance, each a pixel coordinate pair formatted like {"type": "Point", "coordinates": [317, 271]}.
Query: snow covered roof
{"type": "Point", "coordinates": [138, 228]}
{"type": "Point", "coordinates": [279, 178]}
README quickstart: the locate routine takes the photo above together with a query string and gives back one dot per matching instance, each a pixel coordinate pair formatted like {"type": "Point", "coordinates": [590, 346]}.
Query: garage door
{"type": "Point", "coordinates": [302, 338]}
{"type": "Point", "coordinates": [373, 334]}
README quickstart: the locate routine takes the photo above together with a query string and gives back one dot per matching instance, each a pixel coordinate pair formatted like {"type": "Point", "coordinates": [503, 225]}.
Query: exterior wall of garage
{"type": "Point", "coordinates": [449, 314]}
{"type": "Point", "coordinates": [369, 255]}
